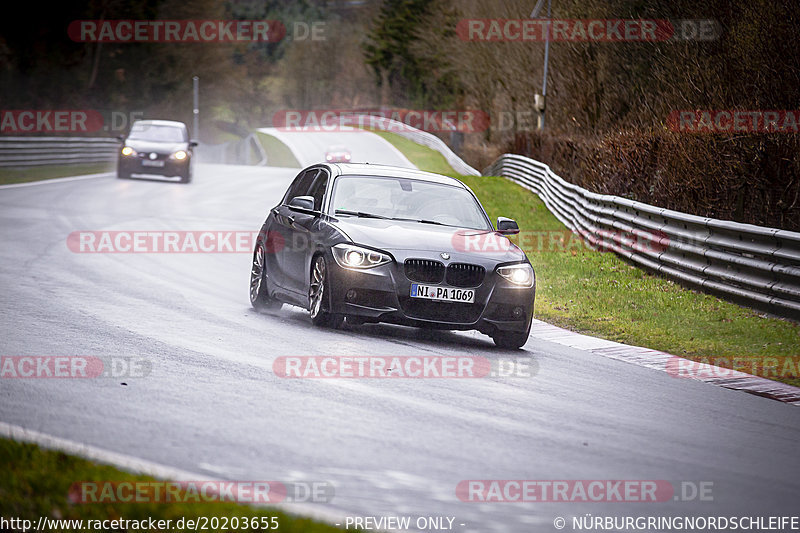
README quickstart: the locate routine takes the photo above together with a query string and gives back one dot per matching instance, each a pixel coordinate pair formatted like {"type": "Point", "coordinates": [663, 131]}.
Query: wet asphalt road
{"type": "Point", "coordinates": [212, 405]}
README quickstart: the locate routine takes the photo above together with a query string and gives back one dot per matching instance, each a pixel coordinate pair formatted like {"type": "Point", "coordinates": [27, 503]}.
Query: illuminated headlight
{"type": "Point", "coordinates": [347, 157]}
{"type": "Point", "coordinates": [352, 256]}
{"type": "Point", "coordinates": [329, 157]}
{"type": "Point", "coordinates": [520, 275]}
{"type": "Point", "coordinates": [180, 155]}
{"type": "Point", "coordinates": [128, 151]}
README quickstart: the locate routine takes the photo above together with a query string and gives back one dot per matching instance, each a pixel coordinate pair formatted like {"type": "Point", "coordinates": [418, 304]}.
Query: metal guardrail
{"type": "Point", "coordinates": [37, 151]}
{"type": "Point", "coordinates": [246, 151]}
{"type": "Point", "coordinates": [22, 152]}
{"type": "Point", "coordinates": [752, 265]}
{"type": "Point", "coordinates": [418, 136]}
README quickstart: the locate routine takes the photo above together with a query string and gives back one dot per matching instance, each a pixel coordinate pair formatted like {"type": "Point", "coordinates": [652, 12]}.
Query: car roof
{"type": "Point", "coordinates": [366, 169]}
{"type": "Point", "coordinates": [173, 123]}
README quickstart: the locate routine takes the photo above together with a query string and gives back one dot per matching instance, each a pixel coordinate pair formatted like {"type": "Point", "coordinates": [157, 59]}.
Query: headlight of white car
{"type": "Point", "coordinates": [357, 257]}
{"type": "Point", "coordinates": [520, 275]}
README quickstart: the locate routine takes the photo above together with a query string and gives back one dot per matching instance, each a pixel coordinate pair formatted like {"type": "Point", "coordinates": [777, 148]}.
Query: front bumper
{"type": "Point", "coordinates": [142, 165]}
{"type": "Point", "coordinates": [382, 294]}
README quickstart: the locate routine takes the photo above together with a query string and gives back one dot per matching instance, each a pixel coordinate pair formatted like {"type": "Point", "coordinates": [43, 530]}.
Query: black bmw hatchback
{"type": "Point", "coordinates": [370, 243]}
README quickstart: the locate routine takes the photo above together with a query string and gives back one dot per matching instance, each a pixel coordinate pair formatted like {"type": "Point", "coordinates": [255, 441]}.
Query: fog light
{"type": "Point", "coordinates": [518, 312]}
{"type": "Point", "coordinates": [351, 295]}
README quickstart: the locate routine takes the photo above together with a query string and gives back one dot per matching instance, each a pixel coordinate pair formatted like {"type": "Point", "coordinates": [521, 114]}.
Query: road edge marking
{"type": "Point", "coordinates": [658, 360]}
{"type": "Point", "coordinates": [57, 180]}
{"type": "Point", "coordinates": [143, 466]}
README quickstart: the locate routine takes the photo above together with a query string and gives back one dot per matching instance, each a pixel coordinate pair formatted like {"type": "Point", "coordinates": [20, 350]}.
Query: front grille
{"type": "Point", "coordinates": [458, 313]}
{"type": "Point", "coordinates": [464, 275]}
{"type": "Point", "coordinates": [424, 270]}
{"type": "Point", "coordinates": [159, 157]}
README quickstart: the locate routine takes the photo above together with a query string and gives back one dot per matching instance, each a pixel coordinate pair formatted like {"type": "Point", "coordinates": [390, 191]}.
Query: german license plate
{"type": "Point", "coordinates": [148, 163]}
{"type": "Point", "coordinates": [445, 294]}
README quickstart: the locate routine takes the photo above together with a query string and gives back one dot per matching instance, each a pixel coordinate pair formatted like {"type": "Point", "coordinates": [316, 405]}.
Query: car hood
{"type": "Point", "coordinates": [401, 236]}
{"type": "Point", "coordinates": [156, 146]}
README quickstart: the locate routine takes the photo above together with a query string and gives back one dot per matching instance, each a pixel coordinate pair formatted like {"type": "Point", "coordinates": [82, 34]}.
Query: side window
{"type": "Point", "coordinates": [301, 185]}
{"type": "Point", "coordinates": [318, 189]}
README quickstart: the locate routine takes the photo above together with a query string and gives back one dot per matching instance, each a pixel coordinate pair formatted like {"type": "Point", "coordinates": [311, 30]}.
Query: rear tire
{"type": "Point", "coordinates": [319, 292]}
{"type": "Point", "coordinates": [259, 297]}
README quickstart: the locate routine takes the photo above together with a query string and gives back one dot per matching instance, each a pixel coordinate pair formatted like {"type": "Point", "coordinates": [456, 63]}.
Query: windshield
{"type": "Point", "coordinates": [405, 199]}
{"type": "Point", "coordinates": [149, 132]}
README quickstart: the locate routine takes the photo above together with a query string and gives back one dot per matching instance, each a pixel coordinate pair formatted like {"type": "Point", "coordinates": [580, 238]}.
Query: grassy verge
{"type": "Point", "coordinates": [422, 156]}
{"type": "Point", "coordinates": [599, 294]}
{"type": "Point", "coordinates": [278, 154]}
{"type": "Point", "coordinates": [36, 482]}
{"type": "Point", "coordinates": [9, 175]}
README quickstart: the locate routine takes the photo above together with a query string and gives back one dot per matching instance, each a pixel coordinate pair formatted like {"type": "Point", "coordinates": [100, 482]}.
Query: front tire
{"type": "Point", "coordinates": [510, 340]}
{"type": "Point", "coordinates": [186, 177]}
{"type": "Point", "coordinates": [259, 297]}
{"type": "Point", "coordinates": [319, 304]}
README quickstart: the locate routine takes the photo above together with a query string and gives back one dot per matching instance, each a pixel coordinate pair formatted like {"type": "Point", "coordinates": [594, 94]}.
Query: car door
{"type": "Point", "coordinates": [280, 234]}
{"type": "Point", "coordinates": [305, 236]}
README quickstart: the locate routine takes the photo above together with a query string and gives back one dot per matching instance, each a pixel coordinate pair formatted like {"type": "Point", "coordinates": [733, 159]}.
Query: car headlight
{"type": "Point", "coordinates": [128, 151]}
{"type": "Point", "coordinates": [352, 256]}
{"type": "Point", "coordinates": [520, 275]}
{"type": "Point", "coordinates": [180, 155]}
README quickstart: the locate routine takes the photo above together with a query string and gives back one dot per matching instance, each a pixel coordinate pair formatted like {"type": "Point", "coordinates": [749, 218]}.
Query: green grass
{"type": "Point", "coordinates": [36, 482]}
{"type": "Point", "coordinates": [278, 154]}
{"type": "Point", "coordinates": [599, 294]}
{"type": "Point", "coordinates": [422, 156]}
{"type": "Point", "coordinates": [9, 175]}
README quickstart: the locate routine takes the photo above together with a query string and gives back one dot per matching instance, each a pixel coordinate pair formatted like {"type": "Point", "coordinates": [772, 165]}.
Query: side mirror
{"type": "Point", "coordinates": [192, 144]}
{"type": "Point", "coordinates": [121, 138]}
{"type": "Point", "coordinates": [302, 203]}
{"type": "Point", "coordinates": [507, 226]}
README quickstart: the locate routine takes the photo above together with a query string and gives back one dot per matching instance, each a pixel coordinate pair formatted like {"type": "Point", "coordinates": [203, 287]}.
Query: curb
{"type": "Point", "coordinates": [668, 363]}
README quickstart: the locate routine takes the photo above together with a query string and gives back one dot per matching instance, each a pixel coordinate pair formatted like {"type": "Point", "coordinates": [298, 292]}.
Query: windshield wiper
{"type": "Point", "coordinates": [372, 215]}
{"type": "Point", "coordinates": [422, 221]}
{"type": "Point", "coordinates": [360, 214]}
